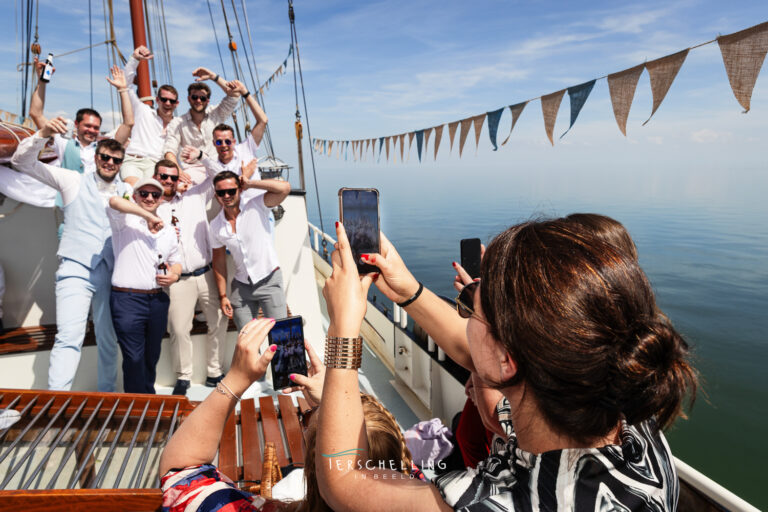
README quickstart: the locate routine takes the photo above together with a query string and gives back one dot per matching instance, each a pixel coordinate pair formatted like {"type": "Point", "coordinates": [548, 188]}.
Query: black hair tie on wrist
{"type": "Point", "coordinates": [415, 296]}
{"type": "Point", "coordinates": [247, 93]}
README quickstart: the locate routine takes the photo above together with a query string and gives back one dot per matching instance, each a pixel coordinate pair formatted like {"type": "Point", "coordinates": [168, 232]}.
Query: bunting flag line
{"type": "Point", "coordinates": [663, 72]}
{"type": "Point", "coordinates": [743, 55]}
{"type": "Point", "coordinates": [278, 72]}
{"type": "Point", "coordinates": [578, 95]}
{"type": "Point", "coordinates": [621, 88]}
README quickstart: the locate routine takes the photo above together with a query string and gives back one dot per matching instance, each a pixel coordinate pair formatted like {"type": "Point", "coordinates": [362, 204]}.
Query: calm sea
{"type": "Point", "coordinates": [702, 240]}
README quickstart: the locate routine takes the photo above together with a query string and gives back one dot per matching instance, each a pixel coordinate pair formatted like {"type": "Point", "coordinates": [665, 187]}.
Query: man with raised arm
{"type": "Point", "coordinates": [146, 261]}
{"type": "Point", "coordinates": [194, 127]}
{"type": "Point", "coordinates": [85, 254]}
{"type": "Point", "coordinates": [77, 153]}
{"type": "Point", "coordinates": [187, 214]}
{"type": "Point", "coordinates": [148, 136]}
{"type": "Point", "coordinates": [242, 227]}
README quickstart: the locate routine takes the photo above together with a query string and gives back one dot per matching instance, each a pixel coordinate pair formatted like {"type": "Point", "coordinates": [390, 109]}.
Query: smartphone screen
{"type": "Point", "coordinates": [470, 256]}
{"type": "Point", "coordinates": [359, 212]}
{"type": "Point", "coordinates": [288, 335]}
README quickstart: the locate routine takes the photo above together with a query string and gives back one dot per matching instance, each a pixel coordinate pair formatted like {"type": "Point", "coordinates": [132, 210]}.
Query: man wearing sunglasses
{"type": "Point", "coordinates": [85, 254]}
{"type": "Point", "coordinates": [242, 227]}
{"type": "Point", "coordinates": [197, 283]}
{"type": "Point", "coordinates": [148, 135]}
{"type": "Point", "coordinates": [147, 260]}
{"type": "Point", "coordinates": [194, 127]}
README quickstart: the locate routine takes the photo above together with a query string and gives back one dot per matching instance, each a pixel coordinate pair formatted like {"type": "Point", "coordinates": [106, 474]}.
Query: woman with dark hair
{"type": "Point", "coordinates": [565, 326]}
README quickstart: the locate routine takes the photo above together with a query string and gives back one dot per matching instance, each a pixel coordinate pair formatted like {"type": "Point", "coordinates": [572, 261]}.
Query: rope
{"type": "Point", "coordinates": [109, 64]}
{"type": "Point", "coordinates": [26, 35]}
{"type": "Point", "coordinates": [234, 61]}
{"type": "Point", "coordinates": [297, 59]}
{"type": "Point", "coordinates": [216, 36]}
{"type": "Point", "coordinates": [167, 46]}
{"type": "Point", "coordinates": [90, 49]}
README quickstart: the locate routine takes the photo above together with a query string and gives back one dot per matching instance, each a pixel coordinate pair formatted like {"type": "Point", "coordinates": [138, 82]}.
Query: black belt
{"type": "Point", "coordinates": [198, 272]}
{"type": "Point", "coordinates": [136, 290]}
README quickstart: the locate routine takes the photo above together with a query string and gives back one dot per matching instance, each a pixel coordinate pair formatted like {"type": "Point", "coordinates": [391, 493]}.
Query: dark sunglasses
{"type": "Point", "coordinates": [106, 158]}
{"type": "Point", "coordinates": [225, 141]}
{"type": "Point", "coordinates": [145, 193]}
{"type": "Point", "coordinates": [168, 100]}
{"type": "Point", "coordinates": [226, 192]}
{"type": "Point", "coordinates": [465, 300]}
{"type": "Point", "coordinates": [173, 178]}
{"type": "Point", "coordinates": [195, 97]}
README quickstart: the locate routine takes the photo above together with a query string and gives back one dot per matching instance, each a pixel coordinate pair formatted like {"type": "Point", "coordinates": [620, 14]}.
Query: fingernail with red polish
{"type": "Point", "coordinates": [364, 256]}
{"type": "Point", "coordinates": [477, 279]}
{"type": "Point", "coordinates": [273, 347]}
{"type": "Point", "coordinates": [337, 224]}
{"type": "Point", "coordinates": [292, 377]}
{"type": "Point", "coordinates": [455, 264]}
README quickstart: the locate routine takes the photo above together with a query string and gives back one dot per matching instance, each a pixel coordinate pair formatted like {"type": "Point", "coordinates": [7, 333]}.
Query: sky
{"type": "Point", "coordinates": [379, 68]}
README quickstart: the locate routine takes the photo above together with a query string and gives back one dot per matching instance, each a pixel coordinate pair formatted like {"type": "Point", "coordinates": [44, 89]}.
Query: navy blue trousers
{"type": "Point", "coordinates": [140, 321]}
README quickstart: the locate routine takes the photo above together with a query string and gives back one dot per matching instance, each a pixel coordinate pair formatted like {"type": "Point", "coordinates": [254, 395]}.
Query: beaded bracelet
{"type": "Point", "coordinates": [224, 390]}
{"type": "Point", "coordinates": [343, 353]}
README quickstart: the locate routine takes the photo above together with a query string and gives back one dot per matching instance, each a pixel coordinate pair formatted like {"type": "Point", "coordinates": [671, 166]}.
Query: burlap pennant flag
{"type": "Point", "coordinates": [367, 144]}
{"type": "Point", "coordinates": [622, 86]}
{"type": "Point", "coordinates": [493, 125]}
{"type": "Point", "coordinates": [452, 132]}
{"type": "Point", "coordinates": [387, 142]}
{"type": "Point", "coordinates": [394, 149]}
{"type": "Point", "coordinates": [373, 148]}
{"type": "Point", "coordinates": [478, 121]}
{"type": "Point", "coordinates": [550, 104]}
{"type": "Point", "coordinates": [465, 124]}
{"type": "Point", "coordinates": [438, 137]}
{"type": "Point", "coordinates": [419, 142]}
{"type": "Point", "coordinates": [515, 110]}
{"type": "Point", "coordinates": [663, 72]}
{"type": "Point", "coordinates": [354, 150]}
{"type": "Point", "coordinates": [410, 144]}
{"type": "Point", "coordinates": [330, 147]}
{"type": "Point", "coordinates": [743, 55]}
{"type": "Point", "coordinates": [578, 95]}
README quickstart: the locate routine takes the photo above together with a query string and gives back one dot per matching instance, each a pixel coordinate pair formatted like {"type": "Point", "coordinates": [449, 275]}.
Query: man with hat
{"type": "Point", "coordinates": [146, 260]}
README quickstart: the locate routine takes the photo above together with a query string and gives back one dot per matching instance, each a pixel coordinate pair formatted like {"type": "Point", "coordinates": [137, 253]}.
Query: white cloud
{"type": "Point", "coordinates": [655, 140]}
{"type": "Point", "coordinates": [707, 136]}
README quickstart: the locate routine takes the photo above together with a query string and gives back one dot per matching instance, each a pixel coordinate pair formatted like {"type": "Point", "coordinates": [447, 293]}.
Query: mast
{"type": "Point", "coordinates": [140, 39]}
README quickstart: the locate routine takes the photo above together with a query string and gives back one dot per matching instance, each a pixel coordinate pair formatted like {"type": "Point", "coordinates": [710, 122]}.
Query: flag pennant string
{"type": "Point", "coordinates": [278, 72]}
{"type": "Point", "coordinates": [578, 95]}
{"type": "Point", "coordinates": [743, 56]}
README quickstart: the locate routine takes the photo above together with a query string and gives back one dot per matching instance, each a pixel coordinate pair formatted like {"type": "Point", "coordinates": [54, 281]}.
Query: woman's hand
{"type": "Point", "coordinates": [311, 384]}
{"type": "Point", "coordinates": [462, 278]}
{"type": "Point", "coordinates": [396, 281]}
{"type": "Point", "coordinates": [247, 365]}
{"type": "Point", "coordinates": [345, 292]}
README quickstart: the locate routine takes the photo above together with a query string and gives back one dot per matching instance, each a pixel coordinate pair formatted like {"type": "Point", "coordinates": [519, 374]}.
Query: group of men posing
{"type": "Point", "coordinates": [136, 246]}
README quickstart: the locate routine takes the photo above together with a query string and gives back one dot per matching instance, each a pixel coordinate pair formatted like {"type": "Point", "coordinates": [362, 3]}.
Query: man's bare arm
{"type": "Point", "coordinates": [37, 103]}
{"type": "Point", "coordinates": [277, 190]}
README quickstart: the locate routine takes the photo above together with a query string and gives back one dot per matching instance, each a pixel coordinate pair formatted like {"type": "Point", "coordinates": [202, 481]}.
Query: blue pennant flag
{"type": "Point", "coordinates": [325, 146]}
{"type": "Point", "coordinates": [578, 95]}
{"type": "Point", "coordinates": [493, 125]}
{"type": "Point", "coordinates": [381, 145]}
{"type": "Point", "coordinates": [419, 141]}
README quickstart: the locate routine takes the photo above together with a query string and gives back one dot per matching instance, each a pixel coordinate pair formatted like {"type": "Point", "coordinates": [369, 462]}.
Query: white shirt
{"type": "Point", "coordinates": [87, 153]}
{"type": "Point", "coordinates": [251, 246]}
{"type": "Point", "coordinates": [148, 133]}
{"type": "Point", "coordinates": [194, 233]}
{"type": "Point", "coordinates": [137, 249]}
{"type": "Point", "coordinates": [243, 152]}
{"type": "Point", "coordinates": [66, 181]}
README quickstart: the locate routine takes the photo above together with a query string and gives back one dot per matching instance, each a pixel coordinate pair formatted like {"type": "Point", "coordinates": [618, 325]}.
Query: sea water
{"type": "Point", "coordinates": [702, 239]}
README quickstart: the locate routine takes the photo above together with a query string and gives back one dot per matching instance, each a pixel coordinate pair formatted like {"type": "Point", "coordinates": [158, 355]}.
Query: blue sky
{"type": "Point", "coordinates": [379, 68]}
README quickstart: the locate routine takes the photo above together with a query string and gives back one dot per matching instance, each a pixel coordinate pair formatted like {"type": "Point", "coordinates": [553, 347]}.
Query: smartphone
{"type": "Point", "coordinates": [470, 256]}
{"type": "Point", "coordinates": [288, 335]}
{"type": "Point", "coordinates": [359, 212]}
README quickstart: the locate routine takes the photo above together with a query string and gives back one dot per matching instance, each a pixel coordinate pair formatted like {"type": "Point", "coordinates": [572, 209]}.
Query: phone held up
{"type": "Point", "coordinates": [470, 256]}
{"type": "Point", "coordinates": [288, 335]}
{"type": "Point", "coordinates": [359, 212]}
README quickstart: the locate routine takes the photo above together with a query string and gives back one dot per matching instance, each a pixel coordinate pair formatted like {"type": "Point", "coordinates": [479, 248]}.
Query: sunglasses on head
{"type": "Point", "coordinates": [195, 97]}
{"type": "Point", "coordinates": [168, 100]}
{"type": "Point", "coordinates": [465, 300]}
{"type": "Point", "coordinates": [226, 192]}
{"type": "Point", "coordinates": [225, 141]}
{"type": "Point", "coordinates": [145, 193]}
{"type": "Point", "coordinates": [106, 158]}
{"type": "Point", "coordinates": [173, 178]}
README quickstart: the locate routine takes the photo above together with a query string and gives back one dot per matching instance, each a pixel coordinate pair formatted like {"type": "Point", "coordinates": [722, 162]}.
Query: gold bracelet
{"type": "Point", "coordinates": [224, 390]}
{"type": "Point", "coordinates": [343, 353]}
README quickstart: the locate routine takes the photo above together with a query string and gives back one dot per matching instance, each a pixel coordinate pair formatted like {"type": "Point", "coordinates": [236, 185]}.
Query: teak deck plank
{"type": "Point", "coordinates": [269, 423]}
{"type": "Point", "coordinates": [249, 423]}
{"type": "Point", "coordinates": [82, 500]}
{"type": "Point", "coordinates": [228, 449]}
{"type": "Point", "coordinates": [293, 434]}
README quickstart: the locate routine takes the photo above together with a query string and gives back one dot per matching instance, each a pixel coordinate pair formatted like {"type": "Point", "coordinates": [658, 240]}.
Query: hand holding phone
{"type": "Point", "coordinates": [471, 255]}
{"type": "Point", "coordinates": [359, 212]}
{"type": "Point", "coordinates": [288, 335]}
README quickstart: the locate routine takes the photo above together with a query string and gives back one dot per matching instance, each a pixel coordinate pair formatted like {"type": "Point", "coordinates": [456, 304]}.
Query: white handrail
{"type": "Point", "coordinates": [317, 231]}
{"type": "Point", "coordinates": [712, 489]}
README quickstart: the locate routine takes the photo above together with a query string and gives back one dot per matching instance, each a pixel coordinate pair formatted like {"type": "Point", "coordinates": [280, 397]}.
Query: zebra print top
{"type": "Point", "coordinates": [637, 475]}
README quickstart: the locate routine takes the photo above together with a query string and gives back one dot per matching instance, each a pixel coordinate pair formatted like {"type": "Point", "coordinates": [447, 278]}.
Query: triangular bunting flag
{"type": "Point", "coordinates": [663, 72]}
{"type": "Point", "coordinates": [419, 142]}
{"type": "Point", "coordinates": [394, 148]}
{"type": "Point", "coordinates": [743, 55]}
{"type": "Point", "coordinates": [465, 124]}
{"type": "Point", "coordinates": [550, 104]}
{"type": "Point", "coordinates": [438, 137]}
{"type": "Point", "coordinates": [478, 121]}
{"type": "Point", "coordinates": [515, 110]}
{"type": "Point", "coordinates": [367, 145]}
{"type": "Point", "coordinates": [493, 125]}
{"type": "Point", "coordinates": [330, 147]}
{"type": "Point", "coordinates": [387, 141]}
{"type": "Point", "coordinates": [410, 143]}
{"type": "Point", "coordinates": [346, 150]}
{"type": "Point", "coordinates": [402, 146]}
{"type": "Point", "coordinates": [381, 145]}
{"type": "Point", "coordinates": [621, 87]}
{"type": "Point", "coordinates": [452, 131]}
{"type": "Point", "coordinates": [578, 95]}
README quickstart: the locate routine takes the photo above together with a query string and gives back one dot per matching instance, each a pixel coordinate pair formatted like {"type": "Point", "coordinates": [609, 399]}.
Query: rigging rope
{"type": "Point", "coordinates": [149, 40]}
{"type": "Point", "coordinates": [297, 59]}
{"type": "Point", "coordinates": [216, 36]}
{"type": "Point", "coordinates": [109, 64]}
{"type": "Point", "coordinates": [90, 49]}
{"type": "Point", "coordinates": [167, 47]}
{"type": "Point", "coordinates": [26, 36]}
{"type": "Point", "coordinates": [232, 50]}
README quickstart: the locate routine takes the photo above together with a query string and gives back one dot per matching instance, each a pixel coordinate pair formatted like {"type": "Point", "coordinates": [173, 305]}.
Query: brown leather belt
{"type": "Point", "coordinates": [136, 290]}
